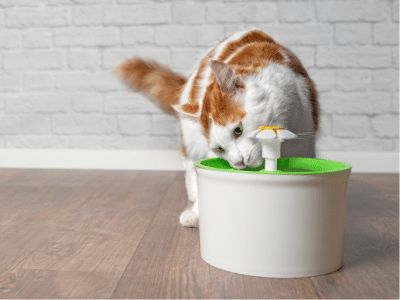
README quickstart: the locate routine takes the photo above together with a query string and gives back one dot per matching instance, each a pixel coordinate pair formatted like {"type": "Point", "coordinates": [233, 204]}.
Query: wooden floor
{"type": "Point", "coordinates": [115, 234]}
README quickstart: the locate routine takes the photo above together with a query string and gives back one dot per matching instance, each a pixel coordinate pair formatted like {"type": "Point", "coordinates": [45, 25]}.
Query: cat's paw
{"type": "Point", "coordinates": [192, 197]}
{"type": "Point", "coordinates": [189, 218]}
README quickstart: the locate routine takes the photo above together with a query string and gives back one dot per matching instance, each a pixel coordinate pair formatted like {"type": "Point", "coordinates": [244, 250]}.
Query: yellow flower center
{"type": "Point", "coordinates": [274, 128]}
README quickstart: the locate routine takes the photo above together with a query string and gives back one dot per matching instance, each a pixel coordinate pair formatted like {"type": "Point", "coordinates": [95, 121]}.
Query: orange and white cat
{"type": "Point", "coordinates": [247, 81]}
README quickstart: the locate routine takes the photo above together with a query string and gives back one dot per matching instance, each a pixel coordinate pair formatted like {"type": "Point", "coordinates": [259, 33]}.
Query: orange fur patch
{"type": "Point", "coordinates": [154, 81]}
{"type": "Point", "coordinates": [193, 106]}
{"type": "Point", "coordinates": [218, 106]}
{"type": "Point", "coordinates": [255, 36]}
{"type": "Point", "coordinates": [251, 58]}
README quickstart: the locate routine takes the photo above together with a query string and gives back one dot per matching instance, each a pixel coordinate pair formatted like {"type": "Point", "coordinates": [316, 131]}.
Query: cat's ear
{"type": "Point", "coordinates": [185, 111]}
{"type": "Point", "coordinates": [227, 78]}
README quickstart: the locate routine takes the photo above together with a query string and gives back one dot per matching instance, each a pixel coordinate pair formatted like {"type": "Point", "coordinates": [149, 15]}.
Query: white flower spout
{"type": "Point", "coordinates": [271, 138]}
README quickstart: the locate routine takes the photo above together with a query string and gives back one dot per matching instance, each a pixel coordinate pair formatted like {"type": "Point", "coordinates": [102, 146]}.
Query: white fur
{"type": "Point", "coordinates": [274, 96]}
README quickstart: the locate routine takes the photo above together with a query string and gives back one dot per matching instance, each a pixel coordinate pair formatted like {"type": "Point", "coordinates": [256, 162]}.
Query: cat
{"type": "Point", "coordinates": [248, 80]}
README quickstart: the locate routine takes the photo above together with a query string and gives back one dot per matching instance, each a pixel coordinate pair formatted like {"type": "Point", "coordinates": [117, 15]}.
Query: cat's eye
{"type": "Point", "coordinates": [238, 130]}
{"type": "Point", "coordinates": [220, 149]}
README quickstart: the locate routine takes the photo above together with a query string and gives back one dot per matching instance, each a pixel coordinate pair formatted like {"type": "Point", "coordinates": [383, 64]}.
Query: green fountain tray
{"type": "Point", "coordinates": [285, 166]}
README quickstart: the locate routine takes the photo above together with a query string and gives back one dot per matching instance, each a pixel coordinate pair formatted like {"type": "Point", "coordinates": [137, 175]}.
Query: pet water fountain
{"type": "Point", "coordinates": [283, 219]}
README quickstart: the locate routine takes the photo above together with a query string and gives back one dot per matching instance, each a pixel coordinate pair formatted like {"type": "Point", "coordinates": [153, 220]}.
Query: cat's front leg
{"type": "Point", "coordinates": [190, 217]}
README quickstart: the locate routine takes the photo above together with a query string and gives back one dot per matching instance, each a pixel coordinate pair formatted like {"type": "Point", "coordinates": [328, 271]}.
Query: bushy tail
{"type": "Point", "coordinates": [155, 81]}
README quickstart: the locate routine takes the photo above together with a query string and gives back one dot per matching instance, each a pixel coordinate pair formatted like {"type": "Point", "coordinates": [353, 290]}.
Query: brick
{"type": "Point", "coordinates": [86, 142]}
{"type": "Point", "coordinates": [113, 57]}
{"type": "Point", "coordinates": [395, 143]}
{"type": "Point", "coordinates": [36, 39]}
{"type": "Point", "coordinates": [58, 2]}
{"type": "Point", "coordinates": [164, 125]}
{"type": "Point", "coordinates": [144, 142]}
{"type": "Point", "coordinates": [134, 124]}
{"type": "Point", "coordinates": [38, 82]}
{"type": "Point", "coordinates": [37, 103]}
{"type": "Point", "coordinates": [305, 54]}
{"type": "Point", "coordinates": [9, 39]}
{"type": "Point", "coordinates": [128, 1]}
{"type": "Point", "coordinates": [85, 124]}
{"type": "Point", "coordinates": [83, 59]}
{"type": "Point", "coordinates": [350, 126]}
{"type": "Point", "coordinates": [240, 12]}
{"type": "Point", "coordinates": [386, 34]}
{"type": "Point", "coordinates": [42, 16]}
{"type": "Point", "coordinates": [137, 35]}
{"type": "Point", "coordinates": [355, 103]}
{"type": "Point", "coordinates": [10, 82]}
{"type": "Point", "coordinates": [87, 15]}
{"type": "Point", "coordinates": [300, 34]}
{"type": "Point", "coordinates": [29, 60]}
{"type": "Point", "coordinates": [31, 2]}
{"type": "Point", "coordinates": [395, 103]}
{"type": "Point", "coordinates": [91, 2]}
{"type": "Point", "coordinates": [395, 11]}
{"type": "Point", "coordinates": [188, 13]}
{"type": "Point", "coordinates": [328, 144]}
{"type": "Point", "coordinates": [353, 80]}
{"type": "Point", "coordinates": [9, 125]}
{"type": "Point", "coordinates": [385, 126]}
{"type": "Point", "coordinates": [137, 14]}
{"type": "Point", "coordinates": [367, 144]}
{"type": "Point", "coordinates": [175, 36]}
{"type": "Point", "coordinates": [354, 144]}
{"type": "Point", "coordinates": [36, 141]}
{"type": "Point", "coordinates": [2, 18]}
{"type": "Point", "coordinates": [262, 12]}
{"type": "Point", "coordinates": [227, 12]}
{"type": "Point", "coordinates": [33, 124]}
{"type": "Point", "coordinates": [186, 57]}
{"type": "Point", "coordinates": [6, 3]}
{"type": "Point", "coordinates": [349, 57]}
{"type": "Point", "coordinates": [395, 57]}
{"type": "Point", "coordinates": [352, 34]}
{"type": "Point", "coordinates": [98, 81]}
{"type": "Point", "coordinates": [385, 80]}
{"type": "Point", "coordinates": [324, 79]}
{"type": "Point", "coordinates": [87, 102]}
{"type": "Point", "coordinates": [356, 10]}
{"type": "Point", "coordinates": [128, 102]}
{"type": "Point", "coordinates": [209, 35]}
{"type": "Point", "coordinates": [89, 37]}
{"type": "Point", "coordinates": [295, 11]}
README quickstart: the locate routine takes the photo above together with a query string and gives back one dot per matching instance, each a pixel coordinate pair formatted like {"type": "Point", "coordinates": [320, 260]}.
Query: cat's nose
{"type": "Point", "coordinates": [240, 163]}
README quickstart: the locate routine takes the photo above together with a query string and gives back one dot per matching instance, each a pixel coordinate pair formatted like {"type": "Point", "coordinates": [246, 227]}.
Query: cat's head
{"type": "Point", "coordinates": [225, 118]}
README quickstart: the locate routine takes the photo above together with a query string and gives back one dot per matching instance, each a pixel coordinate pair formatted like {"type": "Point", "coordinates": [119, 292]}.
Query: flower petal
{"type": "Point", "coordinates": [267, 134]}
{"type": "Point", "coordinates": [286, 134]}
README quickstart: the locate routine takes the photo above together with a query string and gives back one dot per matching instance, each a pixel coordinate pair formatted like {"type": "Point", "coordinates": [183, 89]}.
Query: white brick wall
{"type": "Point", "coordinates": [56, 58]}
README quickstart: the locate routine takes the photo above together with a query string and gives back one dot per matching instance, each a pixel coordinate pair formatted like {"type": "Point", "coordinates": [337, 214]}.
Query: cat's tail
{"type": "Point", "coordinates": [155, 81]}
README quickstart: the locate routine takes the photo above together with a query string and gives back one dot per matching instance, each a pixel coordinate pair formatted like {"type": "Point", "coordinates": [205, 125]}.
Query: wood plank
{"type": "Point", "coordinates": [167, 263]}
{"type": "Point", "coordinates": [93, 229]}
{"type": "Point", "coordinates": [366, 200]}
{"type": "Point", "coordinates": [233, 286]}
{"type": "Point", "coordinates": [386, 183]}
{"type": "Point", "coordinates": [41, 284]}
{"type": "Point", "coordinates": [127, 205]}
{"type": "Point", "coordinates": [371, 254]}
